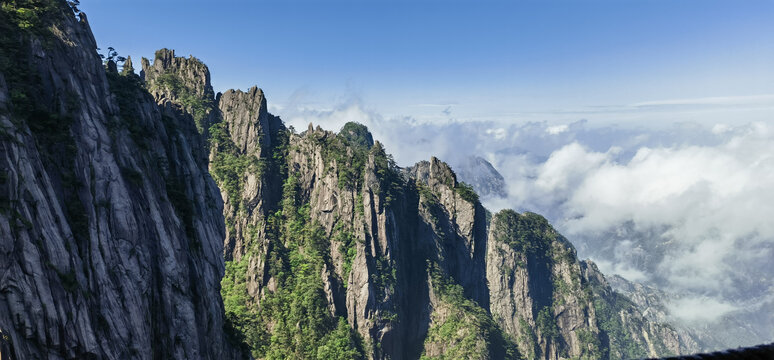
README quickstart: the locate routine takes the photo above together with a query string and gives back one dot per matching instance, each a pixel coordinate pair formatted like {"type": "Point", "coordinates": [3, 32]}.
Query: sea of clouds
{"type": "Point", "coordinates": [686, 207]}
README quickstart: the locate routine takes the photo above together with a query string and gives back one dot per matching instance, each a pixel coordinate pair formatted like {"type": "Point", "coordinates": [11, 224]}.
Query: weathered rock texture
{"type": "Point", "coordinates": [180, 86]}
{"type": "Point", "coordinates": [537, 290]}
{"type": "Point", "coordinates": [110, 226]}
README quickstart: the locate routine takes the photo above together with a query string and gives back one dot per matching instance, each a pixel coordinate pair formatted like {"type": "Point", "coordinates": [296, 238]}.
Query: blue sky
{"type": "Point", "coordinates": [557, 61]}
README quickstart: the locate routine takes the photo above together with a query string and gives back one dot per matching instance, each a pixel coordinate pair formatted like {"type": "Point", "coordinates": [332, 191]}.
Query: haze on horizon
{"type": "Point", "coordinates": [613, 119]}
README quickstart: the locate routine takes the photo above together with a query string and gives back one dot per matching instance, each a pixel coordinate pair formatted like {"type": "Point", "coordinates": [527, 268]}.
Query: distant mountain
{"type": "Point", "coordinates": [480, 174]}
{"type": "Point", "coordinates": [738, 327]}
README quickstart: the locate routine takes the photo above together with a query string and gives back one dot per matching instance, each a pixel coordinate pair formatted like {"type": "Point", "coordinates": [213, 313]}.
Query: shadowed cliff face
{"type": "Point", "coordinates": [111, 228]}
{"type": "Point", "coordinates": [537, 290]}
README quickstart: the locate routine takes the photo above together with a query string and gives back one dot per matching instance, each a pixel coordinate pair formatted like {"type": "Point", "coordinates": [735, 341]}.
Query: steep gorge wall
{"type": "Point", "coordinates": [110, 225]}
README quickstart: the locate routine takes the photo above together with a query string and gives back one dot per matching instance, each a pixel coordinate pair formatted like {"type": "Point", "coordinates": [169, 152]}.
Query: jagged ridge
{"type": "Point", "coordinates": [332, 251]}
{"type": "Point", "coordinates": [405, 256]}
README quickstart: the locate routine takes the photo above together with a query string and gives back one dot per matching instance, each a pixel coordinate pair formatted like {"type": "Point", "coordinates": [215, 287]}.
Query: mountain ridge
{"type": "Point", "coordinates": [319, 245]}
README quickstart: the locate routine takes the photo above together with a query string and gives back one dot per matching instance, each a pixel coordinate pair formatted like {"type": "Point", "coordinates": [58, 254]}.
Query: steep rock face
{"type": "Point", "coordinates": [380, 249]}
{"type": "Point", "coordinates": [537, 292]}
{"type": "Point", "coordinates": [649, 301]}
{"type": "Point", "coordinates": [247, 119]}
{"type": "Point", "coordinates": [628, 333]}
{"type": "Point", "coordinates": [110, 226]}
{"type": "Point", "coordinates": [458, 224]}
{"type": "Point", "coordinates": [180, 85]}
{"type": "Point", "coordinates": [557, 307]}
{"type": "Point", "coordinates": [247, 134]}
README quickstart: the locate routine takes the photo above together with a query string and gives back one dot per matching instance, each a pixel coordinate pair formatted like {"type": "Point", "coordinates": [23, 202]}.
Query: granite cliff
{"type": "Point", "coordinates": [111, 228]}
{"type": "Point", "coordinates": [148, 217]}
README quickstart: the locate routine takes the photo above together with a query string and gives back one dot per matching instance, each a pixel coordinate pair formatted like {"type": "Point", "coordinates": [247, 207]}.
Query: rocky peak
{"type": "Point", "coordinates": [433, 173]}
{"type": "Point", "coordinates": [128, 68]}
{"type": "Point", "coordinates": [357, 135]}
{"type": "Point", "coordinates": [246, 118]}
{"type": "Point", "coordinates": [181, 84]}
{"type": "Point", "coordinates": [480, 174]}
{"type": "Point", "coordinates": [533, 273]}
{"type": "Point", "coordinates": [111, 234]}
{"type": "Point", "coordinates": [193, 73]}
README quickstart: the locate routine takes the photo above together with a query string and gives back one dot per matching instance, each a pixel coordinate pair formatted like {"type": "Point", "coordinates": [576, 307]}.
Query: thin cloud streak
{"type": "Point", "coordinates": [765, 99]}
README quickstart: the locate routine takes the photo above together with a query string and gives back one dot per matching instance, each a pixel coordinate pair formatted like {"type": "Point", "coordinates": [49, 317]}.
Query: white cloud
{"type": "Point", "coordinates": [498, 133]}
{"type": "Point", "coordinates": [720, 128]}
{"type": "Point", "coordinates": [685, 207]}
{"type": "Point", "coordinates": [699, 309]}
{"type": "Point", "coordinates": [557, 129]}
{"type": "Point", "coordinates": [566, 167]}
{"type": "Point", "coordinates": [625, 270]}
{"type": "Point", "coordinates": [710, 206]}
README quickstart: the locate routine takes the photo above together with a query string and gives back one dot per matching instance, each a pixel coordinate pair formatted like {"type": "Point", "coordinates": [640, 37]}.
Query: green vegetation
{"type": "Point", "coordinates": [429, 200]}
{"type": "Point", "coordinates": [621, 344]}
{"type": "Point", "coordinates": [466, 192]}
{"type": "Point", "coordinates": [339, 344]}
{"type": "Point", "coordinates": [529, 232]}
{"type": "Point", "coordinates": [546, 324]}
{"type": "Point", "coordinates": [384, 278]}
{"type": "Point", "coordinates": [359, 206]}
{"type": "Point", "coordinates": [349, 153]}
{"type": "Point", "coordinates": [562, 287]}
{"type": "Point", "coordinates": [198, 106]}
{"type": "Point", "coordinates": [347, 248]}
{"type": "Point", "coordinates": [467, 331]}
{"type": "Point", "coordinates": [528, 337]}
{"type": "Point", "coordinates": [294, 321]}
{"type": "Point", "coordinates": [591, 346]}
{"type": "Point", "coordinates": [242, 326]}
{"type": "Point", "coordinates": [230, 166]}
{"type": "Point", "coordinates": [426, 196]}
{"type": "Point", "coordinates": [356, 135]}
{"type": "Point", "coordinates": [390, 180]}
{"type": "Point", "coordinates": [32, 16]}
